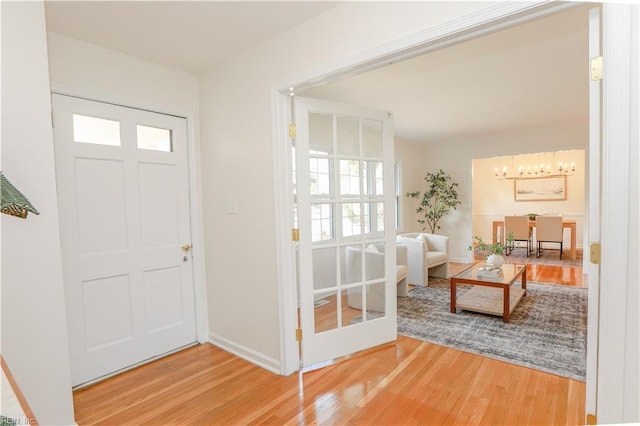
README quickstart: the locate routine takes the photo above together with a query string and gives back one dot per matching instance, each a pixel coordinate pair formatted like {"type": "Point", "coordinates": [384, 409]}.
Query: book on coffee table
{"type": "Point", "coordinates": [490, 271]}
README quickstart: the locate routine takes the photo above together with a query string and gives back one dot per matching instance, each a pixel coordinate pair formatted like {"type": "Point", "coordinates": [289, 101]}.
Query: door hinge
{"type": "Point", "coordinates": [592, 419]}
{"type": "Point", "coordinates": [292, 130]}
{"type": "Point", "coordinates": [298, 334]}
{"type": "Point", "coordinates": [596, 68]}
{"type": "Point", "coordinates": [295, 234]}
{"type": "Point", "coordinates": [594, 253]}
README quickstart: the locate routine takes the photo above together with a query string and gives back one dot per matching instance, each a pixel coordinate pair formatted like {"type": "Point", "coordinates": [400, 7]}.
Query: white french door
{"type": "Point", "coordinates": [124, 218]}
{"type": "Point", "coordinates": [346, 216]}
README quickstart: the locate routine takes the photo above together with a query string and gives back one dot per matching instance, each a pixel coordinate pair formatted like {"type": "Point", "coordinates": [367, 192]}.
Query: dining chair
{"type": "Point", "coordinates": [518, 227]}
{"type": "Point", "coordinates": [548, 230]}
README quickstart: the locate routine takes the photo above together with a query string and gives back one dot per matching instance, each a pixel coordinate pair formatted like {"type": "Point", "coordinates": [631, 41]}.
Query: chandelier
{"type": "Point", "coordinates": [537, 171]}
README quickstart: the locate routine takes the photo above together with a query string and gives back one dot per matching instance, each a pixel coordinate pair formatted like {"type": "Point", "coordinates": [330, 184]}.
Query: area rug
{"type": "Point", "coordinates": [547, 257]}
{"type": "Point", "coordinates": [546, 332]}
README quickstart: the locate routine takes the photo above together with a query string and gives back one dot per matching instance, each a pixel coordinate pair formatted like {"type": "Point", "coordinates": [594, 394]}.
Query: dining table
{"type": "Point", "coordinates": [498, 225]}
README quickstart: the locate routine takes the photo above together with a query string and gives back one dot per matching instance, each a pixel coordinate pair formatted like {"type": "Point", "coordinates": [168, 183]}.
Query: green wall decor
{"type": "Point", "coordinates": [12, 201]}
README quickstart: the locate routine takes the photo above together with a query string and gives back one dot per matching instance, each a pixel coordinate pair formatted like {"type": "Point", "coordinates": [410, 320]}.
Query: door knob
{"type": "Point", "coordinates": [186, 248]}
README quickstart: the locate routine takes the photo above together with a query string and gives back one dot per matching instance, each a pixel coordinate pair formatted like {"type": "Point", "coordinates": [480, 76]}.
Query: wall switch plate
{"type": "Point", "coordinates": [231, 207]}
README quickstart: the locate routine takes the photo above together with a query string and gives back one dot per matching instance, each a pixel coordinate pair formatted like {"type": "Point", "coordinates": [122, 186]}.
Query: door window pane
{"type": "Point", "coordinates": [366, 217]}
{"type": "Point", "coordinates": [350, 178]}
{"type": "Point", "coordinates": [379, 217]}
{"type": "Point", "coordinates": [352, 306]}
{"type": "Point", "coordinates": [348, 140]}
{"type": "Point", "coordinates": [375, 303]}
{"type": "Point", "coordinates": [372, 138]}
{"type": "Point", "coordinates": [373, 219]}
{"type": "Point", "coordinates": [321, 222]}
{"type": "Point", "coordinates": [154, 138]}
{"type": "Point", "coordinates": [326, 314]}
{"type": "Point", "coordinates": [320, 176]}
{"type": "Point", "coordinates": [373, 178]}
{"type": "Point", "coordinates": [96, 130]}
{"type": "Point", "coordinates": [351, 219]}
{"type": "Point", "coordinates": [325, 268]}
{"type": "Point", "coordinates": [351, 264]}
{"type": "Point", "coordinates": [320, 133]}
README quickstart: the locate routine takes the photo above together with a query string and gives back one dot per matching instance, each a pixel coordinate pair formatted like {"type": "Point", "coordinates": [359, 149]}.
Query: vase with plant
{"type": "Point", "coordinates": [440, 197]}
{"type": "Point", "coordinates": [494, 251]}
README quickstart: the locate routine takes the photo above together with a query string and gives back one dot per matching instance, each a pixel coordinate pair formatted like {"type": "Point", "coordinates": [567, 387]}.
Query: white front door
{"type": "Point", "coordinates": [346, 253]}
{"type": "Point", "coordinates": [124, 212]}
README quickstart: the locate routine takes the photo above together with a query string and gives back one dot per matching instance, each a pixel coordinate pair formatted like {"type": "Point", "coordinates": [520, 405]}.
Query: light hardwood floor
{"type": "Point", "coordinates": [406, 382]}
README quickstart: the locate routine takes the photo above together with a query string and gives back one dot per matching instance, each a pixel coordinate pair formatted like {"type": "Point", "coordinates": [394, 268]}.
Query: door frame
{"type": "Point", "coordinates": [195, 183]}
{"type": "Point", "coordinates": [494, 18]}
{"type": "Point", "coordinates": [620, 49]}
{"type": "Point", "coordinates": [592, 207]}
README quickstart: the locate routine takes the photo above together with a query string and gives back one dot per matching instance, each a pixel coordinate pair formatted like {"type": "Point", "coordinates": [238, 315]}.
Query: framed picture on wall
{"type": "Point", "coordinates": [540, 189]}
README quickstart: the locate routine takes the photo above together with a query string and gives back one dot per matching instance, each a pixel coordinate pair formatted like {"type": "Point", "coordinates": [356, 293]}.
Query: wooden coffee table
{"type": "Point", "coordinates": [485, 296]}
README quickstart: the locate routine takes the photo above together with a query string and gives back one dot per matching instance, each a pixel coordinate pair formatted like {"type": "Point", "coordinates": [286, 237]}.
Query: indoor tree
{"type": "Point", "coordinates": [437, 200]}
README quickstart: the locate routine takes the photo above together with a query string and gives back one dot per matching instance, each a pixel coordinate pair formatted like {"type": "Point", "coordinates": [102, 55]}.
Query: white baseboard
{"type": "Point", "coordinates": [248, 354]}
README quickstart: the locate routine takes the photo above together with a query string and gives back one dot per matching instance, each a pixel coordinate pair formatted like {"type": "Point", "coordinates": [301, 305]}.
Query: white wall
{"type": "Point", "coordinates": [493, 198]}
{"type": "Point", "coordinates": [412, 159]}
{"type": "Point", "coordinates": [81, 68]}
{"type": "Point", "coordinates": [237, 157]}
{"type": "Point", "coordinates": [34, 329]}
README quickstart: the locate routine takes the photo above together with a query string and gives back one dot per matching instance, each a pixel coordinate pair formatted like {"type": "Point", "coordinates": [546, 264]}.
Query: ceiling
{"type": "Point", "coordinates": [532, 75]}
{"type": "Point", "coordinates": [188, 35]}
{"type": "Point", "coordinates": [527, 76]}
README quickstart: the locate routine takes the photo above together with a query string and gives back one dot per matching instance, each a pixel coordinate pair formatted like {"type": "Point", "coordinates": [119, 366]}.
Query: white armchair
{"type": "Point", "coordinates": [374, 261]}
{"type": "Point", "coordinates": [427, 255]}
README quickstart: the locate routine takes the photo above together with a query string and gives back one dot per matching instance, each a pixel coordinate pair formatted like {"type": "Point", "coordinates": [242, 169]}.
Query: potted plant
{"type": "Point", "coordinates": [494, 251]}
{"type": "Point", "coordinates": [440, 197]}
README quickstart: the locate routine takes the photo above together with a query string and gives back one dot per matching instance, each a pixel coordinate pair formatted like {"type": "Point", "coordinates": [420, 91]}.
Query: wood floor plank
{"type": "Point", "coordinates": [407, 382]}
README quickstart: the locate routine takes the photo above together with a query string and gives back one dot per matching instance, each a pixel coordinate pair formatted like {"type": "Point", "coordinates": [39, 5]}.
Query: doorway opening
{"type": "Point", "coordinates": [312, 88]}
